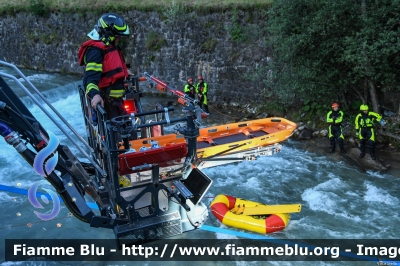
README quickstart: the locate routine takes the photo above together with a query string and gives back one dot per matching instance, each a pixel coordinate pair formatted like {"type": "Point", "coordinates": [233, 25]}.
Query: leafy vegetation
{"type": "Point", "coordinates": [313, 109]}
{"type": "Point", "coordinates": [172, 7]}
{"type": "Point", "coordinates": [236, 29]}
{"type": "Point", "coordinates": [332, 51]}
{"type": "Point", "coordinates": [154, 41]}
{"type": "Point", "coordinates": [174, 11]}
{"type": "Point", "coordinates": [39, 8]}
{"type": "Point", "coordinates": [209, 45]}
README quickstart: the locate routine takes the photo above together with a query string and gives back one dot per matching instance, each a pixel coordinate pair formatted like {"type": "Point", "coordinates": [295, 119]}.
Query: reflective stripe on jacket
{"type": "Point", "coordinates": [113, 68]}
{"type": "Point", "coordinates": [334, 117]}
{"type": "Point", "coordinates": [367, 120]}
{"type": "Point", "coordinates": [202, 88]}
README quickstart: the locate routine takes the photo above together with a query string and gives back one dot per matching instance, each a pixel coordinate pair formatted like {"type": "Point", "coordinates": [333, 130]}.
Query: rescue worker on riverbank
{"type": "Point", "coordinates": [201, 90]}
{"type": "Point", "coordinates": [105, 69]}
{"type": "Point", "coordinates": [335, 119]}
{"type": "Point", "coordinates": [190, 89]}
{"type": "Point", "coordinates": [365, 131]}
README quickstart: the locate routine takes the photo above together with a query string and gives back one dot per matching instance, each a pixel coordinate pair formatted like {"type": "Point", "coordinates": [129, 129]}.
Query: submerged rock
{"type": "Point", "coordinates": [367, 163]}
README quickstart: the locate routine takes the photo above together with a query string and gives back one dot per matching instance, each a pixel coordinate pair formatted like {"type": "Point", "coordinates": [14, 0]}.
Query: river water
{"type": "Point", "coordinates": [338, 201]}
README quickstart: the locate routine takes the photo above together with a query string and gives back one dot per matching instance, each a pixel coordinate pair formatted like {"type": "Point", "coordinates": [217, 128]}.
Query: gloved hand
{"type": "Point", "coordinates": [96, 100]}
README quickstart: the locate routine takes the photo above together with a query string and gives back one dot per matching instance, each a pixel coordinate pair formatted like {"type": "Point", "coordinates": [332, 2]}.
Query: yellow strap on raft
{"type": "Point", "coordinates": [238, 209]}
{"type": "Point", "coordinates": [234, 209]}
{"type": "Point", "coordinates": [271, 209]}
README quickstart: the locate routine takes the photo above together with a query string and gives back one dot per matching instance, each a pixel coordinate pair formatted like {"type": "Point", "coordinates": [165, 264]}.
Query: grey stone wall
{"type": "Point", "coordinates": [194, 45]}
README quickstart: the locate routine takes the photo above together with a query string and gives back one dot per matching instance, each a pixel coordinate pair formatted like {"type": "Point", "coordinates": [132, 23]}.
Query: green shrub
{"type": "Point", "coordinates": [174, 11]}
{"type": "Point", "coordinates": [356, 104]}
{"type": "Point", "coordinates": [209, 45]}
{"type": "Point", "coordinates": [313, 109]}
{"type": "Point", "coordinates": [236, 30]}
{"type": "Point", "coordinates": [39, 8]}
{"type": "Point", "coordinates": [154, 41]}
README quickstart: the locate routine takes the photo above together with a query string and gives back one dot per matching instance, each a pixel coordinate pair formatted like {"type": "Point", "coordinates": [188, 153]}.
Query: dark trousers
{"type": "Point", "coordinates": [367, 134]}
{"type": "Point", "coordinates": [114, 107]}
{"type": "Point", "coordinates": [335, 132]}
{"type": "Point", "coordinates": [203, 105]}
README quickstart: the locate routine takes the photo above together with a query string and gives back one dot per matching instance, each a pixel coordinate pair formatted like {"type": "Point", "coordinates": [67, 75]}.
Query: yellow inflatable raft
{"type": "Point", "coordinates": [244, 214]}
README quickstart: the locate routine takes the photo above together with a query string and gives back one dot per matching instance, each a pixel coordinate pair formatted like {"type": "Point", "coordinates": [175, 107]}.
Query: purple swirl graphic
{"type": "Point", "coordinates": [35, 203]}
{"type": "Point", "coordinates": [39, 163]}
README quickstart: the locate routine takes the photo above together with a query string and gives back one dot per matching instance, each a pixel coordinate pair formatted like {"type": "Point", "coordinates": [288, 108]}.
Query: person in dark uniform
{"type": "Point", "coordinates": [106, 72]}
{"type": "Point", "coordinates": [335, 119]}
{"type": "Point", "coordinates": [105, 69]}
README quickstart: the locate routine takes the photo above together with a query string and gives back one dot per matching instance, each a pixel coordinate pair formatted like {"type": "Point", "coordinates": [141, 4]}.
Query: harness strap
{"type": "Point", "coordinates": [111, 72]}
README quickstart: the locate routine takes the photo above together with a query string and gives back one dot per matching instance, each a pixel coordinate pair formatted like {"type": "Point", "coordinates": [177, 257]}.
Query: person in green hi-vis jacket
{"type": "Point", "coordinates": [201, 90]}
{"type": "Point", "coordinates": [365, 130]}
{"type": "Point", "coordinates": [335, 119]}
{"type": "Point", "coordinates": [190, 89]}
